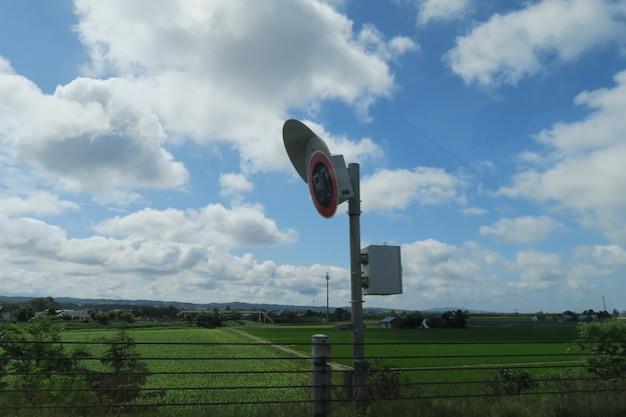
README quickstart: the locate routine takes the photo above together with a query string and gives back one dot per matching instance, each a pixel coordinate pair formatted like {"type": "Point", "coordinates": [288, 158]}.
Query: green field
{"type": "Point", "coordinates": [460, 342]}
{"type": "Point", "coordinates": [464, 349]}
{"type": "Point", "coordinates": [178, 385]}
{"type": "Point", "coordinates": [511, 341]}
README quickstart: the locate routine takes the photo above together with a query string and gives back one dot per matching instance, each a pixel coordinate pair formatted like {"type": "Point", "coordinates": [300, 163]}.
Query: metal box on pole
{"type": "Point", "coordinates": [382, 270]}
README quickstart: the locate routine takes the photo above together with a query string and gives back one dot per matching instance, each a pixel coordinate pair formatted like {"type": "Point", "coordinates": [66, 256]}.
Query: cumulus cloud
{"type": "Point", "coordinates": [238, 68]}
{"type": "Point", "coordinates": [364, 149]}
{"type": "Point", "coordinates": [473, 211]}
{"type": "Point", "coordinates": [511, 46]}
{"type": "Point", "coordinates": [165, 265]}
{"type": "Point", "coordinates": [234, 185]}
{"type": "Point", "coordinates": [539, 270]}
{"type": "Point", "coordinates": [395, 189]}
{"type": "Point", "coordinates": [213, 225]}
{"type": "Point", "coordinates": [33, 254]}
{"type": "Point", "coordinates": [373, 40]}
{"type": "Point", "coordinates": [525, 229]}
{"type": "Point", "coordinates": [38, 203]}
{"type": "Point", "coordinates": [432, 10]}
{"type": "Point", "coordinates": [583, 169]}
{"type": "Point", "coordinates": [211, 72]}
{"type": "Point", "coordinates": [82, 139]}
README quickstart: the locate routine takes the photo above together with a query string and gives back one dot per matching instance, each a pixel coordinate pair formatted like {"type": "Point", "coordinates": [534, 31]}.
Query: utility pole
{"type": "Point", "coordinates": [354, 211]}
{"type": "Point", "coordinates": [327, 306]}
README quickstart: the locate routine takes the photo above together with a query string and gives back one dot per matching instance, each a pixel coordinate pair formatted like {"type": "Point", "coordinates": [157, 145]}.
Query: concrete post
{"type": "Point", "coordinates": [321, 379]}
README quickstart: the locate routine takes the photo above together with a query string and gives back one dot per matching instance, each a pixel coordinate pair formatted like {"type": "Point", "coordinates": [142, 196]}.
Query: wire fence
{"type": "Point", "coordinates": [29, 390]}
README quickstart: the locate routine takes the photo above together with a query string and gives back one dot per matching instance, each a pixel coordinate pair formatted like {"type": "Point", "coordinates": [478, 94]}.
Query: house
{"type": "Point", "coordinates": [540, 316]}
{"type": "Point", "coordinates": [4, 314]}
{"type": "Point", "coordinates": [388, 322]}
{"type": "Point", "coordinates": [74, 314]}
{"type": "Point", "coordinates": [587, 317]}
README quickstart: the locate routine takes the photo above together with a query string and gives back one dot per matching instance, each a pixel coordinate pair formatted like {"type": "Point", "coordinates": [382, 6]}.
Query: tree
{"type": "Point", "coordinates": [206, 319]}
{"type": "Point", "coordinates": [125, 373]}
{"type": "Point", "coordinates": [341, 314]}
{"type": "Point", "coordinates": [411, 320]}
{"type": "Point", "coordinates": [42, 366]}
{"type": "Point", "coordinates": [510, 381]}
{"type": "Point", "coordinates": [126, 316]}
{"type": "Point", "coordinates": [606, 344]}
{"type": "Point", "coordinates": [24, 312]}
{"type": "Point", "coordinates": [456, 319]}
{"type": "Point", "coordinates": [43, 303]}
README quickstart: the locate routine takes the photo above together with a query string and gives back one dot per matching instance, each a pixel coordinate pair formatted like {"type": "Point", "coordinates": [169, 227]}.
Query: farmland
{"type": "Point", "coordinates": [189, 360]}
{"type": "Point", "coordinates": [185, 363]}
{"type": "Point", "coordinates": [465, 345]}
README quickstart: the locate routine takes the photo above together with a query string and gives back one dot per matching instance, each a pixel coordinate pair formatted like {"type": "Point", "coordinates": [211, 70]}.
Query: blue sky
{"type": "Point", "coordinates": [142, 152]}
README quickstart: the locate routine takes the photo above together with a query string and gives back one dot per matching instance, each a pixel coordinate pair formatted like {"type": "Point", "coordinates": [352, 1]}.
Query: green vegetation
{"type": "Point", "coordinates": [608, 353]}
{"type": "Point", "coordinates": [462, 344]}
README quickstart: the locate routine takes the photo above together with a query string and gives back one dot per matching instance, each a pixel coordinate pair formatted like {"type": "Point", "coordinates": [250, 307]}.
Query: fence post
{"type": "Point", "coordinates": [321, 375]}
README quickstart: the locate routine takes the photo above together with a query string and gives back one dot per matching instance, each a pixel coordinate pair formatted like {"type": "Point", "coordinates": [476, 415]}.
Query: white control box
{"type": "Point", "coordinates": [382, 270]}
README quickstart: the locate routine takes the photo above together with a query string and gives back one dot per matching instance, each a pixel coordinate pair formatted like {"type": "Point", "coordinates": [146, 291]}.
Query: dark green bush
{"type": "Point", "coordinates": [606, 344]}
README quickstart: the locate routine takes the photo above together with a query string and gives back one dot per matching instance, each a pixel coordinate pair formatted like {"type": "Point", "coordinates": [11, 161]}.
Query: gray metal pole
{"type": "Point", "coordinates": [354, 211]}
{"type": "Point", "coordinates": [321, 375]}
{"type": "Point", "coordinates": [327, 306]}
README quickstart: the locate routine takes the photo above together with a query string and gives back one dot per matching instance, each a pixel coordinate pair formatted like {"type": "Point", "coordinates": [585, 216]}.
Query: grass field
{"type": "Point", "coordinates": [467, 353]}
{"type": "Point", "coordinates": [511, 343]}
{"type": "Point", "coordinates": [189, 361]}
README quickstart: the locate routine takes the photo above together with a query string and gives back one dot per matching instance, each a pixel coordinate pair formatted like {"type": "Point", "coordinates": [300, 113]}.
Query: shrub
{"type": "Point", "coordinates": [40, 366]}
{"type": "Point", "coordinates": [24, 312]}
{"type": "Point", "coordinates": [209, 320]}
{"type": "Point", "coordinates": [125, 373]}
{"type": "Point", "coordinates": [382, 382]}
{"type": "Point", "coordinates": [606, 345]}
{"type": "Point", "coordinates": [510, 381]}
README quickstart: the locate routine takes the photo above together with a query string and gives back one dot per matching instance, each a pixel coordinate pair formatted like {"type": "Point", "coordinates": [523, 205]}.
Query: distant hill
{"type": "Point", "coordinates": [235, 305]}
{"type": "Point", "coordinates": [442, 309]}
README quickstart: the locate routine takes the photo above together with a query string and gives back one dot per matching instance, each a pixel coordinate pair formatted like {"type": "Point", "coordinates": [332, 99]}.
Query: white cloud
{"type": "Point", "coordinates": [396, 189]}
{"type": "Point", "coordinates": [525, 229]}
{"type": "Point", "coordinates": [373, 40]}
{"type": "Point", "coordinates": [539, 270]}
{"type": "Point", "coordinates": [164, 265]}
{"type": "Point", "coordinates": [364, 149]}
{"type": "Point", "coordinates": [86, 143]}
{"type": "Point", "coordinates": [34, 254]}
{"type": "Point", "coordinates": [236, 67]}
{"type": "Point", "coordinates": [234, 185]}
{"type": "Point", "coordinates": [39, 203]}
{"type": "Point", "coordinates": [509, 47]}
{"type": "Point", "coordinates": [213, 225]}
{"type": "Point", "coordinates": [473, 211]}
{"type": "Point", "coordinates": [212, 72]}
{"type": "Point", "coordinates": [584, 167]}
{"type": "Point", "coordinates": [431, 10]}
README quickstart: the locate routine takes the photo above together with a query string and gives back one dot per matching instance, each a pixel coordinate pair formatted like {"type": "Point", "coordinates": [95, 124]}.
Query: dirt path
{"type": "Point", "coordinates": [334, 365]}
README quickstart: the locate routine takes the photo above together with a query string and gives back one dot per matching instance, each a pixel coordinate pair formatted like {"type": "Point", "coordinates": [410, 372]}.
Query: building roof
{"type": "Point", "coordinates": [388, 319]}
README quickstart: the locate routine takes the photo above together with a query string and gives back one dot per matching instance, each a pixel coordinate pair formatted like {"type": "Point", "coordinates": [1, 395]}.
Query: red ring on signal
{"type": "Point", "coordinates": [321, 158]}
